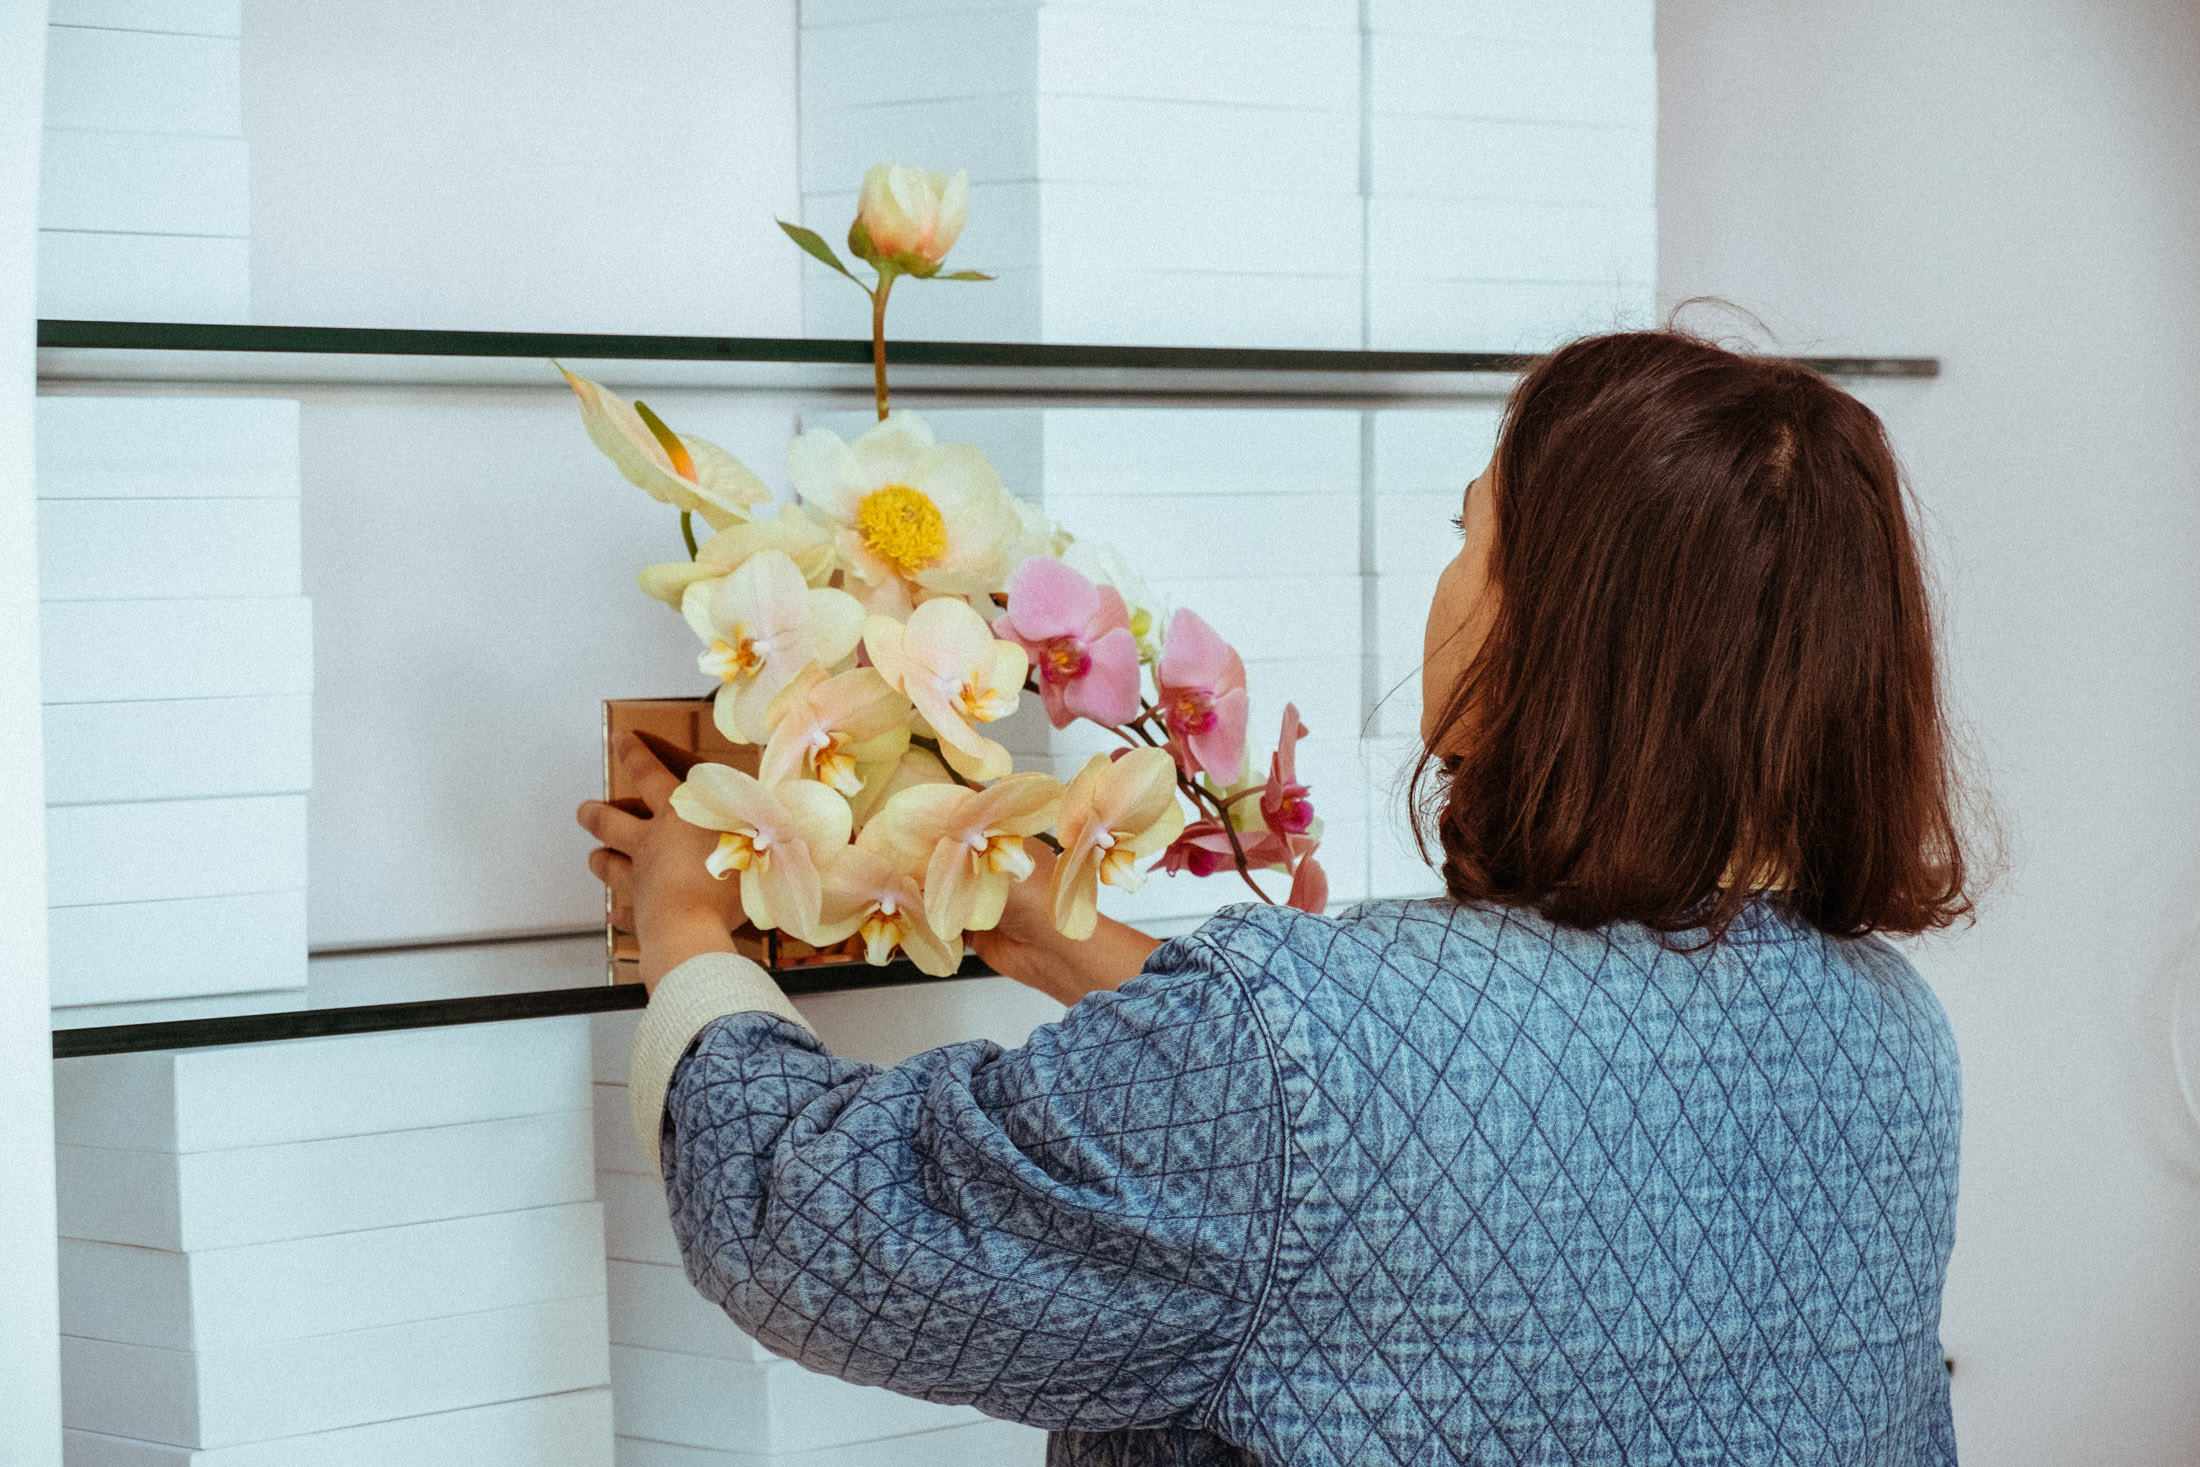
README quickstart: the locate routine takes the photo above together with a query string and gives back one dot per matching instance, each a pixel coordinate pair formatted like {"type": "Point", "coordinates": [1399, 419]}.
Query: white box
{"type": "Point", "coordinates": [1140, 228]}
{"type": "Point", "coordinates": [696, 1401]}
{"type": "Point", "coordinates": [259, 1194]}
{"type": "Point", "coordinates": [1469, 77]}
{"type": "Point", "coordinates": [572, 1429]}
{"type": "Point", "coordinates": [187, 17]}
{"type": "Point", "coordinates": [991, 138]}
{"type": "Point", "coordinates": [178, 749]}
{"type": "Point", "coordinates": [136, 952]}
{"type": "Point", "coordinates": [1200, 308]}
{"type": "Point", "coordinates": [144, 81]}
{"type": "Point", "coordinates": [654, 1306]}
{"type": "Point", "coordinates": [1480, 239]}
{"type": "Point", "coordinates": [1212, 537]}
{"type": "Point", "coordinates": [250, 1095]}
{"type": "Point", "coordinates": [1415, 534]}
{"type": "Point", "coordinates": [1171, 57]}
{"type": "Point", "coordinates": [167, 447]}
{"type": "Point", "coordinates": [143, 277]}
{"type": "Point", "coordinates": [1618, 24]}
{"type": "Point", "coordinates": [1524, 162]}
{"type": "Point", "coordinates": [637, 1223]}
{"type": "Point", "coordinates": [1314, 615]}
{"type": "Point", "coordinates": [1297, 149]}
{"type": "Point", "coordinates": [980, 1444]}
{"type": "Point", "coordinates": [617, 1150]}
{"type": "Point", "coordinates": [251, 1392]}
{"type": "Point", "coordinates": [919, 59]}
{"type": "Point", "coordinates": [1501, 315]}
{"type": "Point", "coordinates": [330, 1284]}
{"type": "Point", "coordinates": [145, 183]}
{"type": "Point", "coordinates": [1434, 452]}
{"type": "Point", "coordinates": [1175, 451]}
{"type": "Point", "coordinates": [112, 651]}
{"type": "Point", "coordinates": [140, 549]}
{"type": "Point", "coordinates": [162, 850]}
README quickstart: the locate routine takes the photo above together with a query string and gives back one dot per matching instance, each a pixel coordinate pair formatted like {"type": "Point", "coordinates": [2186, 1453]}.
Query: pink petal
{"type": "Point", "coordinates": [1113, 613]}
{"type": "Point", "coordinates": [1309, 887]}
{"type": "Point", "coordinates": [1056, 697]}
{"type": "Point", "coordinates": [1193, 656]}
{"type": "Point", "coordinates": [1048, 599]}
{"type": "Point", "coordinates": [1221, 750]}
{"type": "Point", "coordinates": [1108, 692]}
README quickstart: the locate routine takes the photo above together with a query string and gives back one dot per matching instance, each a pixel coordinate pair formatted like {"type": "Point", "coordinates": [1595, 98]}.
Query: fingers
{"type": "Point", "coordinates": [612, 825]}
{"type": "Point", "coordinates": [646, 773]}
{"type": "Point", "coordinates": [616, 872]}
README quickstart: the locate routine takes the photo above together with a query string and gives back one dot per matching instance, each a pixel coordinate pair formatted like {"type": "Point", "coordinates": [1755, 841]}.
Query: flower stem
{"type": "Point", "coordinates": [878, 337]}
{"type": "Point", "coordinates": [687, 531]}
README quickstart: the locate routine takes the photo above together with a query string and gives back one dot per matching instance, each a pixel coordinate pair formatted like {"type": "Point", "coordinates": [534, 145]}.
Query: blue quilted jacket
{"type": "Point", "coordinates": [1421, 1184]}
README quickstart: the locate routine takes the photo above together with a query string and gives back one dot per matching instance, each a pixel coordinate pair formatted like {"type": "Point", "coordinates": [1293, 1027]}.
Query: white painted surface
{"type": "Point", "coordinates": [130, 549]}
{"type": "Point", "coordinates": [697, 1401]}
{"type": "Point", "coordinates": [102, 651]}
{"type": "Point", "coordinates": [143, 952]}
{"type": "Point", "coordinates": [982, 1444]}
{"type": "Point", "coordinates": [30, 1383]}
{"type": "Point", "coordinates": [98, 447]}
{"type": "Point", "coordinates": [177, 749]}
{"type": "Point", "coordinates": [179, 17]}
{"type": "Point", "coordinates": [145, 183]}
{"type": "Point", "coordinates": [165, 850]}
{"type": "Point", "coordinates": [572, 1429]}
{"type": "Point", "coordinates": [2015, 186]}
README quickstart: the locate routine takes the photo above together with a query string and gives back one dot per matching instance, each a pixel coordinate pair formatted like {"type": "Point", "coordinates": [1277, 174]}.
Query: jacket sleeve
{"type": "Point", "coordinates": [1073, 1234]}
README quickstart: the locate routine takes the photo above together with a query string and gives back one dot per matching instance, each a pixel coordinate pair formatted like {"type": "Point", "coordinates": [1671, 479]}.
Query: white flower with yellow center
{"type": "Point", "coordinates": [844, 731]}
{"type": "Point", "coordinates": [968, 843]}
{"type": "Point", "coordinates": [867, 894]}
{"type": "Point", "coordinates": [914, 518]}
{"type": "Point", "coordinates": [761, 626]}
{"type": "Point", "coordinates": [776, 836]}
{"type": "Point", "coordinates": [947, 662]}
{"type": "Point", "coordinates": [1115, 812]}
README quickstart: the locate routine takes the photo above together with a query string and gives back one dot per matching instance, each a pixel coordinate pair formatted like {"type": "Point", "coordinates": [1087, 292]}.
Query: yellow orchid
{"type": "Point", "coordinates": [866, 892]}
{"type": "Point", "coordinates": [845, 731]}
{"type": "Point", "coordinates": [690, 474]}
{"type": "Point", "coordinates": [947, 662]}
{"type": "Point", "coordinates": [968, 843]}
{"type": "Point", "coordinates": [913, 517]}
{"type": "Point", "coordinates": [777, 836]}
{"type": "Point", "coordinates": [806, 539]}
{"type": "Point", "coordinates": [760, 627]}
{"type": "Point", "coordinates": [915, 767]}
{"type": "Point", "coordinates": [1113, 813]}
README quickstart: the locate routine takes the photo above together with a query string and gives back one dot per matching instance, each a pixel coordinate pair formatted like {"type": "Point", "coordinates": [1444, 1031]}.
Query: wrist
{"type": "Point", "coordinates": [667, 943]}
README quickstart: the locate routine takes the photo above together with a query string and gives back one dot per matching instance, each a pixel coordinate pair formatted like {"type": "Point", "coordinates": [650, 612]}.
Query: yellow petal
{"type": "Point", "coordinates": [836, 624]}
{"type": "Point", "coordinates": [816, 814]}
{"type": "Point", "coordinates": [669, 582]}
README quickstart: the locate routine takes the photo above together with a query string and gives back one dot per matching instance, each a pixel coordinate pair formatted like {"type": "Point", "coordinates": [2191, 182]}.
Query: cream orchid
{"type": "Point", "coordinates": [913, 518]}
{"type": "Point", "coordinates": [692, 475]}
{"type": "Point", "coordinates": [806, 539]}
{"type": "Point", "coordinates": [915, 767]}
{"type": "Point", "coordinates": [865, 892]}
{"type": "Point", "coordinates": [776, 836]}
{"type": "Point", "coordinates": [969, 843]}
{"type": "Point", "coordinates": [948, 663]}
{"type": "Point", "coordinates": [760, 627]}
{"type": "Point", "coordinates": [844, 731]}
{"type": "Point", "coordinates": [1113, 814]}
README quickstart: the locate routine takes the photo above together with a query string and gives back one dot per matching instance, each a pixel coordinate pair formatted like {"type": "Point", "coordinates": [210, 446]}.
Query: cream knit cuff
{"type": "Point", "coordinates": [705, 987]}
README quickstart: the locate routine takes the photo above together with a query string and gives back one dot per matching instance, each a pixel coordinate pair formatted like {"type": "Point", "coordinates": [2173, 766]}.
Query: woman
{"type": "Point", "coordinates": [1639, 1146]}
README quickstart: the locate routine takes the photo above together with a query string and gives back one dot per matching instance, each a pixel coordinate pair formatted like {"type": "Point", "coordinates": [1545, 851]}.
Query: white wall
{"type": "Point", "coordinates": [2014, 185]}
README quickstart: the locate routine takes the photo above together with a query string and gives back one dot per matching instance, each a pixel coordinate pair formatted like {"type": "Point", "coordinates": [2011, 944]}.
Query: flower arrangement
{"type": "Point", "coordinates": [862, 636]}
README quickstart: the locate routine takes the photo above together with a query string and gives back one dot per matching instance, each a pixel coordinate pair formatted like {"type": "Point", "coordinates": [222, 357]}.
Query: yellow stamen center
{"type": "Point", "coordinates": [882, 933]}
{"type": "Point", "coordinates": [736, 852]}
{"type": "Point", "coordinates": [730, 660]}
{"type": "Point", "coordinates": [983, 703]}
{"type": "Point", "coordinates": [835, 768]}
{"type": "Point", "coordinates": [1005, 855]}
{"type": "Point", "coordinates": [902, 526]}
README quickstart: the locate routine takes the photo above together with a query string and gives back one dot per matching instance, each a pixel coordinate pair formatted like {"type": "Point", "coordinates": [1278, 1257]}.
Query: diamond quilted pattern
{"type": "Point", "coordinates": [1423, 1184]}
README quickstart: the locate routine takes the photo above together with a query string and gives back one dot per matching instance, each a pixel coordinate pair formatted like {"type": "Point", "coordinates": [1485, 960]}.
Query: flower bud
{"type": "Point", "coordinates": [909, 218]}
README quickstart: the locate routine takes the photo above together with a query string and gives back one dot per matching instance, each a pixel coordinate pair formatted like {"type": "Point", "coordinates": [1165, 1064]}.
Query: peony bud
{"type": "Point", "coordinates": [908, 218]}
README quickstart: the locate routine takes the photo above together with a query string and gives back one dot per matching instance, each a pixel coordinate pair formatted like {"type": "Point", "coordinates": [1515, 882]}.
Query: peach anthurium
{"type": "Point", "coordinates": [777, 836]}
{"type": "Point", "coordinates": [969, 844]}
{"type": "Point", "coordinates": [845, 731]}
{"type": "Point", "coordinates": [1114, 812]}
{"type": "Point", "coordinates": [865, 892]}
{"type": "Point", "coordinates": [947, 662]}
{"type": "Point", "coordinates": [913, 517]}
{"type": "Point", "coordinates": [761, 626]}
{"type": "Point", "coordinates": [691, 474]}
{"type": "Point", "coordinates": [806, 539]}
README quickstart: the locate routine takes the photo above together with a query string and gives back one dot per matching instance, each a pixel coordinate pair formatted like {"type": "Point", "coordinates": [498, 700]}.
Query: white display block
{"type": "Point", "coordinates": [144, 81]}
{"type": "Point", "coordinates": [167, 447]}
{"type": "Point", "coordinates": [109, 651]}
{"type": "Point", "coordinates": [1618, 24]}
{"type": "Point", "coordinates": [1502, 315]}
{"type": "Point", "coordinates": [177, 749]}
{"type": "Point", "coordinates": [145, 183]}
{"type": "Point", "coordinates": [1414, 533]}
{"type": "Point", "coordinates": [637, 1225]}
{"type": "Point", "coordinates": [258, 1095]}
{"type": "Point", "coordinates": [617, 1149]}
{"type": "Point", "coordinates": [1211, 536]}
{"type": "Point", "coordinates": [653, 1306]}
{"type": "Point", "coordinates": [227, 1003]}
{"type": "Point", "coordinates": [140, 549]}
{"type": "Point", "coordinates": [180, 17]}
{"type": "Point", "coordinates": [163, 850]}
{"type": "Point", "coordinates": [1482, 239]}
{"type": "Point", "coordinates": [572, 1429]}
{"type": "Point", "coordinates": [1467, 76]}
{"type": "Point", "coordinates": [697, 1401]}
{"type": "Point", "coordinates": [330, 1284]}
{"type": "Point", "coordinates": [140, 952]}
{"type": "Point", "coordinates": [1175, 56]}
{"type": "Point", "coordinates": [980, 1444]}
{"type": "Point", "coordinates": [1433, 452]}
{"type": "Point", "coordinates": [1195, 308]}
{"type": "Point", "coordinates": [143, 277]}
{"type": "Point", "coordinates": [222, 1199]}
{"type": "Point", "coordinates": [251, 1392]}
{"type": "Point", "coordinates": [1518, 162]}
{"type": "Point", "coordinates": [1169, 451]}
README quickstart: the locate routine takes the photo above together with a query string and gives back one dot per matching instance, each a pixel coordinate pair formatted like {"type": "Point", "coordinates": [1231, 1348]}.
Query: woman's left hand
{"type": "Point", "coordinates": [653, 865]}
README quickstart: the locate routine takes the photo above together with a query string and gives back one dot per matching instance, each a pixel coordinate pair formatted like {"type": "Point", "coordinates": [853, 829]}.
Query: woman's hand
{"type": "Point", "coordinates": [653, 864]}
{"type": "Point", "coordinates": [1026, 947]}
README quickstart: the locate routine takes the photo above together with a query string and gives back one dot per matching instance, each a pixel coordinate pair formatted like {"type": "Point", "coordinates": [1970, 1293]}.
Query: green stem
{"type": "Point", "coordinates": [878, 337]}
{"type": "Point", "coordinates": [687, 532]}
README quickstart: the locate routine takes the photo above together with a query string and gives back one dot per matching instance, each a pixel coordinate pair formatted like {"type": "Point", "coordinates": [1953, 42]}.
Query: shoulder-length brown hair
{"type": "Point", "coordinates": [1711, 672]}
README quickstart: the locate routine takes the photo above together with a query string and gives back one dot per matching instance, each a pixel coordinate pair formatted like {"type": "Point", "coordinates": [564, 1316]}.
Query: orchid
{"type": "Point", "coordinates": [807, 541]}
{"type": "Point", "coordinates": [1203, 701]}
{"type": "Point", "coordinates": [1115, 811]}
{"type": "Point", "coordinates": [843, 731]}
{"type": "Point", "coordinates": [948, 663]}
{"type": "Point", "coordinates": [1104, 565]}
{"type": "Point", "coordinates": [969, 843]}
{"type": "Point", "coordinates": [916, 766]}
{"type": "Point", "coordinates": [1078, 637]}
{"type": "Point", "coordinates": [867, 894]}
{"type": "Point", "coordinates": [913, 518]}
{"type": "Point", "coordinates": [693, 475]}
{"type": "Point", "coordinates": [774, 835]}
{"type": "Point", "coordinates": [760, 627]}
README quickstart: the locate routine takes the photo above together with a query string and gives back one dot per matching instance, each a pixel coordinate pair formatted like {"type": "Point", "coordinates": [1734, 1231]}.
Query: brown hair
{"type": "Point", "coordinates": [1711, 671]}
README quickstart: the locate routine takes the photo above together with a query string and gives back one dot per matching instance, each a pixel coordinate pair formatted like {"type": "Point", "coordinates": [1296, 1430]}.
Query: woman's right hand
{"type": "Point", "coordinates": [1026, 947]}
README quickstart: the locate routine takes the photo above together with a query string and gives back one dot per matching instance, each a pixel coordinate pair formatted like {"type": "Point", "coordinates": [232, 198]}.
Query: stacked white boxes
{"type": "Point", "coordinates": [178, 671]}
{"type": "Point", "coordinates": [381, 1248]}
{"type": "Point", "coordinates": [145, 192]}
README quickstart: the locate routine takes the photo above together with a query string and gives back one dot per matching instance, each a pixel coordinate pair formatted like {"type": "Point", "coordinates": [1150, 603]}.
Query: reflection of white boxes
{"type": "Point", "coordinates": [568, 1430]}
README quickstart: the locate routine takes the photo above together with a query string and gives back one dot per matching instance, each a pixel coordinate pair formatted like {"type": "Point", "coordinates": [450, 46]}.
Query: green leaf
{"type": "Point", "coordinates": [965, 275]}
{"type": "Point", "coordinates": [812, 244]}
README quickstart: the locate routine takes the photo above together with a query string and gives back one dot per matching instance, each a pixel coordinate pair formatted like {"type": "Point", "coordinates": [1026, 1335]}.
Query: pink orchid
{"type": "Point", "coordinates": [1079, 638]}
{"type": "Point", "coordinates": [1284, 806]}
{"type": "Point", "coordinates": [1203, 703]}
